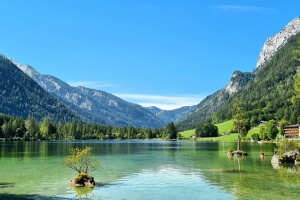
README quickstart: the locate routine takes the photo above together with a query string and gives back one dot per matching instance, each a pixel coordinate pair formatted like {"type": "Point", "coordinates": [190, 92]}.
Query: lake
{"type": "Point", "coordinates": [146, 169]}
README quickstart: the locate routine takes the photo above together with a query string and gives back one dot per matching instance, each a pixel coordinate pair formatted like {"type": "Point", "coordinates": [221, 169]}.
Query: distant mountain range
{"type": "Point", "coordinates": [171, 115]}
{"type": "Point", "coordinates": [94, 106]}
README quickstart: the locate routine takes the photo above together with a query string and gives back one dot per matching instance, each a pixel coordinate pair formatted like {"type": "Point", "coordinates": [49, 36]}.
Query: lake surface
{"type": "Point", "coordinates": [146, 170]}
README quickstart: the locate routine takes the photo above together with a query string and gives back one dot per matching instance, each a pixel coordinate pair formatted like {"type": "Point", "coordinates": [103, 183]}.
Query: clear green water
{"type": "Point", "coordinates": [146, 170]}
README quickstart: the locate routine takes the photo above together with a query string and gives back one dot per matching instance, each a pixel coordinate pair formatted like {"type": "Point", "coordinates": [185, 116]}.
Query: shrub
{"type": "Point", "coordinates": [82, 160]}
{"type": "Point", "coordinates": [287, 145]}
{"type": "Point", "coordinates": [207, 130]}
{"type": "Point", "coordinates": [255, 137]}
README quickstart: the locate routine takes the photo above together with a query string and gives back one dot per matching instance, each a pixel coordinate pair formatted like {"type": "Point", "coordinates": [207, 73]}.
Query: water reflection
{"type": "Point", "coordinates": [84, 193]}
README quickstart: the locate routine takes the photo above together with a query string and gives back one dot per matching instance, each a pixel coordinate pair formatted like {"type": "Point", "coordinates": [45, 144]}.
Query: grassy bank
{"type": "Point", "coordinates": [223, 127]}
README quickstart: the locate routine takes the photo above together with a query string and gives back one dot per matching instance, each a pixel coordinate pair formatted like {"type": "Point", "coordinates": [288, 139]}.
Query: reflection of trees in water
{"type": "Point", "coordinates": [288, 172]}
{"type": "Point", "coordinates": [84, 193]}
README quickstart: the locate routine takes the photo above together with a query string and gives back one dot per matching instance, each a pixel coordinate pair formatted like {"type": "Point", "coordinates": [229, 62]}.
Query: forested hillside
{"type": "Point", "coordinates": [21, 96]}
{"type": "Point", "coordinates": [271, 95]}
{"type": "Point", "coordinates": [213, 103]}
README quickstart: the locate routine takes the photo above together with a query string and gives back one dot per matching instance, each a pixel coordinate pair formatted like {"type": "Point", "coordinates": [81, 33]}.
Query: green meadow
{"type": "Point", "coordinates": [223, 127]}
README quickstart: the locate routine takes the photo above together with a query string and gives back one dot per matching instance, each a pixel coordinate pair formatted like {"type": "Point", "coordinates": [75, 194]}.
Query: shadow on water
{"type": "Point", "coordinates": [24, 196]}
{"type": "Point", "coordinates": [227, 170]}
{"type": "Point", "coordinates": [6, 185]}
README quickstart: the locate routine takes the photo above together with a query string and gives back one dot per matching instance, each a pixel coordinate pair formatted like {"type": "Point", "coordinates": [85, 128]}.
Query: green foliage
{"type": "Point", "coordinates": [207, 130]}
{"type": "Point", "coordinates": [32, 128]}
{"type": "Point", "coordinates": [255, 137]}
{"type": "Point", "coordinates": [82, 160]}
{"type": "Point", "coordinates": [297, 86]}
{"type": "Point", "coordinates": [269, 131]}
{"type": "Point", "coordinates": [287, 145]}
{"type": "Point", "coordinates": [283, 123]}
{"type": "Point", "coordinates": [241, 124]}
{"type": "Point", "coordinates": [17, 128]}
{"type": "Point", "coordinates": [170, 131]}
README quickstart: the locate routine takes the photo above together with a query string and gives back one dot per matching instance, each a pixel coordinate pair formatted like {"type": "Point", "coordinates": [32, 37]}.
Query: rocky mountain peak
{"type": "Point", "coordinates": [238, 81]}
{"type": "Point", "coordinates": [277, 41]}
{"type": "Point", "coordinates": [26, 68]}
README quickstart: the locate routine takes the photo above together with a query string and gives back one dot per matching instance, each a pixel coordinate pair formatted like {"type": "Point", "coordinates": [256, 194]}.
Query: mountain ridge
{"type": "Point", "coordinates": [92, 105]}
{"type": "Point", "coordinates": [174, 115]}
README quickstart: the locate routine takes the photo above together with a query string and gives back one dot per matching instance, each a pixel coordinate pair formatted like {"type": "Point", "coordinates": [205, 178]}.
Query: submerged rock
{"type": "Point", "coordinates": [83, 180]}
{"type": "Point", "coordinates": [237, 153]}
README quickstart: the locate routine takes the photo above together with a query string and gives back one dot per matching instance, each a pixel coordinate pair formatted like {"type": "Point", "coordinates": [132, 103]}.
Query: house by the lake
{"type": "Point", "coordinates": [292, 131]}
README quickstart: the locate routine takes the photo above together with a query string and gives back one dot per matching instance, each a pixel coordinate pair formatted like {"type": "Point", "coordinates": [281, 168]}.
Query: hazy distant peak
{"type": "Point", "coordinates": [277, 41]}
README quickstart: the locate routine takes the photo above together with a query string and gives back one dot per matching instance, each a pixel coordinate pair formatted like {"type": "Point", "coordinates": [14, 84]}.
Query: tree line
{"type": "Point", "coordinates": [30, 129]}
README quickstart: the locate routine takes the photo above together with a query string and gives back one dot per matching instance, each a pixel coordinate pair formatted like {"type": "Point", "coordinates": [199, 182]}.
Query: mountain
{"type": "Point", "coordinates": [271, 94]}
{"type": "Point", "coordinates": [94, 106]}
{"type": "Point", "coordinates": [168, 116]}
{"type": "Point", "coordinates": [213, 103]}
{"type": "Point", "coordinates": [277, 41]}
{"type": "Point", "coordinates": [21, 96]}
{"type": "Point", "coordinates": [212, 107]}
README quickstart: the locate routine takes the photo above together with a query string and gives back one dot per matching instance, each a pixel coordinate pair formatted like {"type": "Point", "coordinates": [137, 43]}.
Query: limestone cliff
{"type": "Point", "coordinates": [277, 41]}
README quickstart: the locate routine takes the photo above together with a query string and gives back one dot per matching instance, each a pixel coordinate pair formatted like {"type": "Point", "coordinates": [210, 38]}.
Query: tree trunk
{"type": "Point", "coordinates": [239, 140]}
{"type": "Point", "coordinates": [239, 143]}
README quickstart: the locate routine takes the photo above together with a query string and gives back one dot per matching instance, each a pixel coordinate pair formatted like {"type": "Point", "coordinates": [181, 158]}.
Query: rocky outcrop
{"type": "Point", "coordinates": [83, 180]}
{"type": "Point", "coordinates": [288, 157]}
{"type": "Point", "coordinates": [277, 41]}
{"type": "Point", "coordinates": [238, 81]}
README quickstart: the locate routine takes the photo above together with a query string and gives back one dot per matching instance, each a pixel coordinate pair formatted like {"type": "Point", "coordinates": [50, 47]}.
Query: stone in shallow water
{"type": "Point", "coordinates": [237, 153]}
{"type": "Point", "coordinates": [83, 180]}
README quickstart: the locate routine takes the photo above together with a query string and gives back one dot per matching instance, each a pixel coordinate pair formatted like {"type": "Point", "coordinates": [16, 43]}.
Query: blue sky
{"type": "Point", "coordinates": [166, 53]}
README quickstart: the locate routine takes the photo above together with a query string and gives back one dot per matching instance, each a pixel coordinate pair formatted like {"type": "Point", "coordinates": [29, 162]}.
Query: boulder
{"type": "Point", "coordinates": [83, 180]}
{"type": "Point", "coordinates": [287, 157]}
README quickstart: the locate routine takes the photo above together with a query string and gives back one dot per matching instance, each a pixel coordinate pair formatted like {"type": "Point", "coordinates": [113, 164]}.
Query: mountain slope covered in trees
{"type": "Point", "coordinates": [271, 95]}
{"type": "Point", "coordinates": [21, 96]}
{"type": "Point", "coordinates": [213, 103]}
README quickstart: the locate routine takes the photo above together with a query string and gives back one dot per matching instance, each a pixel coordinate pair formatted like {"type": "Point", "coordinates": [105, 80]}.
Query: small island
{"type": "Point", "coordinates": [82, 161]}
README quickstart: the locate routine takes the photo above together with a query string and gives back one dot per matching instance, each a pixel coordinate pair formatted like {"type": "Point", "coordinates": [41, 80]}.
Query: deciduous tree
{"type": "Point", "coordinates": [82, 160]}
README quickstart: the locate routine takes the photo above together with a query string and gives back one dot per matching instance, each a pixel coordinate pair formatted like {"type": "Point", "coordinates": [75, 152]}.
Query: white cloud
{"type": "Point", "coordinates": [162, 102]}
{"type": "Point", "coordinates": [92, 84]}
{"type": "Point", "coordinates": [238, 8]}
